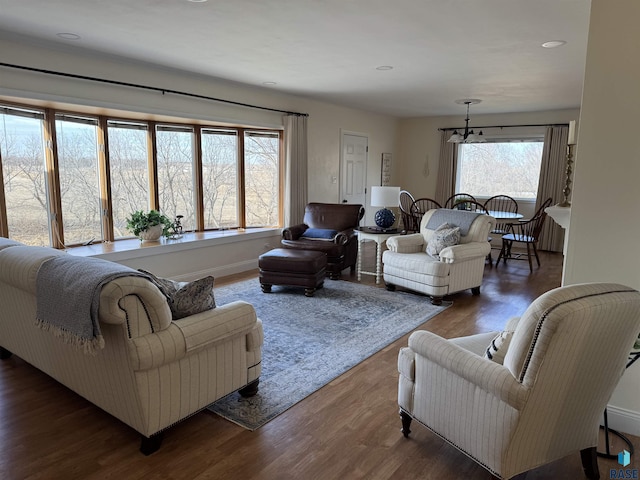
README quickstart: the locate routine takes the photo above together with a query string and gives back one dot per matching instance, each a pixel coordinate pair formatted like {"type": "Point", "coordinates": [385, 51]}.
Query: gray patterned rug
{"type": "Point", "coordinates": [309, 341]}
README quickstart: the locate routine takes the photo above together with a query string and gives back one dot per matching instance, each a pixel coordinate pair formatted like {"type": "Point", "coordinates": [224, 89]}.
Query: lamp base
{"type": "Point", "coordinates": [384, 218]}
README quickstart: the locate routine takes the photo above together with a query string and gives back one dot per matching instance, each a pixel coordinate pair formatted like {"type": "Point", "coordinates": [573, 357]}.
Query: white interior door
{"type": "Point", "coordinates": [353, 169]}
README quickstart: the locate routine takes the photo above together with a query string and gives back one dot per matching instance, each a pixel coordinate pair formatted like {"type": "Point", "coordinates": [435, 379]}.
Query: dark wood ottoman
{"type": "Point", "coordinates": [293, 268]}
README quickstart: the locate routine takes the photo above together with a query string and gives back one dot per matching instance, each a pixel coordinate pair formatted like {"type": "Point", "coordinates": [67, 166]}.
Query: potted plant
{"type": "Point", "coordinates": [148, 226]}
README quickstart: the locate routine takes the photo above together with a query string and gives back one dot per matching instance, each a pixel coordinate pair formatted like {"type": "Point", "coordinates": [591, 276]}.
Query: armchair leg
{"type": "Point", "coordinates": [406, 423]}
{"type": "Point", "coordinates": [251, 389]}
{"type": "Point", "coordinates": [151, 444]}
{"type": "Point", "coordinates": [475, 291]}
{"type": "Point", "coordinates": [437, 300]}
{"type": "Point", "coordinates": [589, 457]}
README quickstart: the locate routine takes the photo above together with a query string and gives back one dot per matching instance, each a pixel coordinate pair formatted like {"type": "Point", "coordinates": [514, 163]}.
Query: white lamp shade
{"type": "Point", "coordinates": [385, 196]}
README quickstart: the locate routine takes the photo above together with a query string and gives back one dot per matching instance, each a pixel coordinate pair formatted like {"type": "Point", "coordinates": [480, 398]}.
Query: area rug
{"type": "Point", "coordinates": [309, 341]}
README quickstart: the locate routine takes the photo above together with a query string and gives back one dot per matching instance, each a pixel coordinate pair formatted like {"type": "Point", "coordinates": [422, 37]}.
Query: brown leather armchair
{"type": "Point", "coordinates": [328, 228]}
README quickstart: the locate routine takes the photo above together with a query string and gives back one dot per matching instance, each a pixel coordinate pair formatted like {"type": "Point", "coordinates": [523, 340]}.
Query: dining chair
{"type": "Point", "coordinates": [406, 200]}
{"type": "Point", "coordinates": [419, 207]}
{"type": "Point", "coordinates": [500, 203]}
{"type": "Point", "coordinates": [458, 199]}
{"type": "Point", "coordinates": [527, 232]}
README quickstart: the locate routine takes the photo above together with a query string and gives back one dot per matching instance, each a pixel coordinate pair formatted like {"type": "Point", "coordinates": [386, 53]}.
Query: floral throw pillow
{"type": "Point", "coordinates": [186, 298]}
{"type": "Point", "coordinates": [446, 235]}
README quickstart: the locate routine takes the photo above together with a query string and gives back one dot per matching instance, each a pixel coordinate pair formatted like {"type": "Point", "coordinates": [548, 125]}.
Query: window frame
{"type": "Point", "coordinates": [56, 233]}
{"type": "Point", "coordinates": [519, 138]}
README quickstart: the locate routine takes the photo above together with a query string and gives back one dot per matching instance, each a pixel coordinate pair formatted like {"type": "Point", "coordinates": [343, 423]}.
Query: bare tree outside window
{"type": "Point", "coordinates": [79, 179]}
{"type": "Point", "coordinates": [23, 169]}
{"type": "Point", "coordinates": [175, 173]}
{"type": "Point", "coordinates": [220, 178]}
{"type": "Point", "coordinates": [262, 178]}
{"type": "Point", "coordinates": [501, 168]}
{"type": "Point", "coordinates": [129, 172]}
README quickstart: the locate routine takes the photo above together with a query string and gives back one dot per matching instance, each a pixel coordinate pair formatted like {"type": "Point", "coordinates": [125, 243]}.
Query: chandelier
{"type": "Point", "coordinates": [468, 136]}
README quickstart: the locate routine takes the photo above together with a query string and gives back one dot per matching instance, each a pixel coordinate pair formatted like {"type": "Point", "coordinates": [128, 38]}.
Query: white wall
{"type": "Point", "coordinates": [605, 214]}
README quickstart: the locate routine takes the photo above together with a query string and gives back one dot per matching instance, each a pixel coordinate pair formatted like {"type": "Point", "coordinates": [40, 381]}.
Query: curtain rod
{"type": "Point", "coordinates": [146, 87]}
{"type": "Point", "coordinates": [509, 126]}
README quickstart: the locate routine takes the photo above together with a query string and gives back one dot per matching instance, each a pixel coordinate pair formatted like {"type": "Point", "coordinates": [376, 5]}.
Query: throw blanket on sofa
{"type": "Point", "coordinates": [68, 296]}
{"type": "Point", "coordinates": [459, 218]}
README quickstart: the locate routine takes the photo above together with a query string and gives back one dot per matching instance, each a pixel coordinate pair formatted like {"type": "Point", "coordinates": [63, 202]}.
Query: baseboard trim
{"type": "Point", "coordinates": [222, 271]}
{"type": "Point", "coordinates": [623, 420]}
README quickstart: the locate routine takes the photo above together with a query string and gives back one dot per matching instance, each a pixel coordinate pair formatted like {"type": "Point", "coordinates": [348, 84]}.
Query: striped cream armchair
{"type": "Point", "coordinates": [542, 393]}
{"type": "Point", "coordinates": [424, 263]}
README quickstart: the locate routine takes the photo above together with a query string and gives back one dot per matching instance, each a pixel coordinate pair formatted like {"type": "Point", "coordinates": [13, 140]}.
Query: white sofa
{"type": "Point", "coordinates": [407, 264]}
{"type": "Point", "coordinates": [153, 371]}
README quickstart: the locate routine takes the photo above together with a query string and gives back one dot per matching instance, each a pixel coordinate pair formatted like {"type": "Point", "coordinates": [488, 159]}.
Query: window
{"type": "Point", "coordinates": [500, 168]}
{"type": "Point", "coordinates": [220, 178]}
{"type": "Point", "coordinates": [77, 146]}
{"type": "Point", "coordinates": [128, 164]}
{"type": "Point", "coordinates": [261, 154]}
{"type": "Point", "coordinates": [23, 171]}
{"type": "Point", "coordinates": [81, 184]}
{"type": "Point", "coordinates": [176, 182]}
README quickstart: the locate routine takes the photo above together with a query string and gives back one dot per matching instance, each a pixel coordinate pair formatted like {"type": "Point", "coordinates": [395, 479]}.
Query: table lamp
{"type": "Point", "coordinates": [385, 197]}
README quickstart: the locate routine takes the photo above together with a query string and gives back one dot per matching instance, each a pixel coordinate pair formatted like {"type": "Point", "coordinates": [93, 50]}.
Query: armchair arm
{"type": "Point", "coordinates": [294, 232]}
{"type": "Point", "coordinates": [465, 251]}
{"type": "Point", "coordinates": [486, 374]}
{"type": "Point", "coordinates": [413, 243]}
{"type": "Point", "coordinates": [193, 333]}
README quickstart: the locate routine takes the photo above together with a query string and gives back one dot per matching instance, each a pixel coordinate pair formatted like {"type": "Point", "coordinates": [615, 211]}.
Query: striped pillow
{"type": "Point", "coordinates": [497, 349]}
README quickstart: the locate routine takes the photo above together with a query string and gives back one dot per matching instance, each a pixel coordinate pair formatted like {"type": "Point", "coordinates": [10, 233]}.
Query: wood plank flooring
{"type": "Point", "coordinates": [349, 429]}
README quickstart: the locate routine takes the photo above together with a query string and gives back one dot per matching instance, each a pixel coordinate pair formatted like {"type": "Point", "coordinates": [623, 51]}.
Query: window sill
{"type": "Point", "coordinates": [134, 248]}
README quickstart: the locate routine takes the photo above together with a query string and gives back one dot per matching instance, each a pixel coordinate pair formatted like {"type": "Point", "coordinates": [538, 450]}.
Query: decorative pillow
{"type": "Point", "coordinates": [186, 298]}
{"type": "Point", "coordinates": [446, 235]}
{"type": "Point", "coordinates": [497, 349]}
{"type": "Point", "coordinates": [319, 233]}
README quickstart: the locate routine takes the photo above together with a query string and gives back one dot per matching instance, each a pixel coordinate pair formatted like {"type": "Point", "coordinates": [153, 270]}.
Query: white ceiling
{"type": "Point", "coordinates": [440, 50]}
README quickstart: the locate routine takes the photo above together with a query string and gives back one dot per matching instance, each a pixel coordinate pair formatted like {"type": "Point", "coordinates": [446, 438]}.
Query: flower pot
{"type": "Point", "coordinates": [151, 234]}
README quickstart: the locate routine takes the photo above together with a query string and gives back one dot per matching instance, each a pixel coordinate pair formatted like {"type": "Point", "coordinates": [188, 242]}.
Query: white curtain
{"type": "Point", "coordinates": [552, 180]}
{"type": "Point", "coordinates": [446, 168]}
{"type": "Point", "coordinates": [295, 158]}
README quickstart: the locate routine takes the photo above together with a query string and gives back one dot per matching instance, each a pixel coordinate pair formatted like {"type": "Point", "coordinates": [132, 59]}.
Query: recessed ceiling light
{"type": "Point", "coordinates": [197, 1]}
{"type": "Point", "coordinates": [68, 36]}
{"type": "Point", "coordinates": [554, 44]}
{"type": "Point", "coordinates": [384, 67]}
{"type": "Point", "coordinates": [269, 84]}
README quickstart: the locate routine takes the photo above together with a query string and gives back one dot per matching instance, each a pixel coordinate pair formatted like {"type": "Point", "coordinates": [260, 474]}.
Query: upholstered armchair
{"type": "Point", "coordinates": [448, 267]}
{"type": "Point", "coordinates": [328, 228]}
{"type": "Point", "coordinates": [531, 394]}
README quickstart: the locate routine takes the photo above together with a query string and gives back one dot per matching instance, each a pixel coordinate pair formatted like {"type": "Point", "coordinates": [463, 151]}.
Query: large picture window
{"type": "Point", "coordinates": [24, 175]}
{"type": "Point", "coordinates": [494, 168]}
{"type": "Point", "coordinates": [71, 178]}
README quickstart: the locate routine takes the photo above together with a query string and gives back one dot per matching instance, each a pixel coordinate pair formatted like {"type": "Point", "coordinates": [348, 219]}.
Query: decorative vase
{"type": "Point", "coordinates": [151, 234]}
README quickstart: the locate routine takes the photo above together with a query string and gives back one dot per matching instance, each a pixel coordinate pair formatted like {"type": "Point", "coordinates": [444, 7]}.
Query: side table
{"type": "Point", "coordinates": [379, 236]}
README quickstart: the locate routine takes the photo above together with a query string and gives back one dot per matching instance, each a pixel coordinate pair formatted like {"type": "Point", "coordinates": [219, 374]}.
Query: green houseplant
{"type": "Point", "coordinates": [142, 224]}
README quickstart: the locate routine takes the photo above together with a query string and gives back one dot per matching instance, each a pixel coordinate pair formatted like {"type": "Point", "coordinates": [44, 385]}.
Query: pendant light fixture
{"type": "Point", "coordinates": [468, 136]}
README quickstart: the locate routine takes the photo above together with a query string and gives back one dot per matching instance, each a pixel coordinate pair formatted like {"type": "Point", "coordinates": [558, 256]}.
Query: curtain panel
{"type": "Point", "coordinates": [447, 165]}
{"type": "Point", "coordinates": [295, 158]}
{"type": "Point", "coordinates": [552, 178]}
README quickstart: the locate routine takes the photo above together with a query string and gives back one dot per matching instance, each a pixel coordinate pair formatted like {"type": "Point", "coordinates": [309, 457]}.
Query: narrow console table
{"type": "Point", "coordinates": [380, 237]}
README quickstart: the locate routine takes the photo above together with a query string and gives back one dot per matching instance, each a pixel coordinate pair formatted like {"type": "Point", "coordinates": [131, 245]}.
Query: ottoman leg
{"type": "Point", "coordinates": [266, 288]}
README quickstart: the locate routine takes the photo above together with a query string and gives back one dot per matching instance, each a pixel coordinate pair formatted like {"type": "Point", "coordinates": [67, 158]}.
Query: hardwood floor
{"type": "Point", "coordinates": [348, 429]}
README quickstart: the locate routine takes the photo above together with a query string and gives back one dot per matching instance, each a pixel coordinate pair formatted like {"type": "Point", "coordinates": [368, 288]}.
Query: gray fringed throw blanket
{"type": "Point", "coordinates": [68, 297]}
{"type": "Point", "coordinates": [459, 218]}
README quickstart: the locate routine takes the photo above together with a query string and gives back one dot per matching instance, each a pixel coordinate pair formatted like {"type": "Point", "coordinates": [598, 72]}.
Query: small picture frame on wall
{"type": "Point", "coordinates": [385, 169]}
